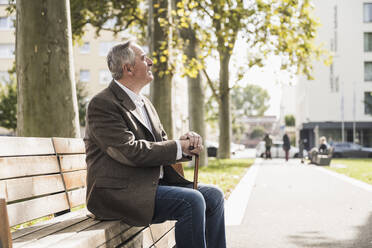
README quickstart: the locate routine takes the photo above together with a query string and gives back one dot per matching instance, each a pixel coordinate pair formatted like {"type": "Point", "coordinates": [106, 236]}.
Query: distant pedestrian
{"type": "Point", "coordinates": [268, 144]}
{"type": "Point", "coordinates": [286, 146]}
{"type": "Point", "coordinates": [323, 148]}
{"type": "Point", "coordinates": [301, 147]}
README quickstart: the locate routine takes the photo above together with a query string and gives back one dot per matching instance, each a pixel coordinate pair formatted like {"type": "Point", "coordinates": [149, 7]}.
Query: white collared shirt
{"type": "Point", "coordinates": [140, 104]}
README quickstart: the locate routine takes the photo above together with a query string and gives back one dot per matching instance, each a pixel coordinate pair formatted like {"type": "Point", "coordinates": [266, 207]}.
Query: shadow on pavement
{"type": "Point", "coordinates": [316, 239]}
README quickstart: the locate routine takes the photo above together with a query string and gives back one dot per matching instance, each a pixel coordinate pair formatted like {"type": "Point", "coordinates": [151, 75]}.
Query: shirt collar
{"type": "Point", "coordinates": [137, 99]}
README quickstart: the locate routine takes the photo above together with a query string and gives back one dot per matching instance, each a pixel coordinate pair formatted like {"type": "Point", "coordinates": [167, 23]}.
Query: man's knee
{"type": "Point", "coordinates": [195, 200]}
{"type": "Point", "coordinates": [218, 194]}
{"type": "Point", "coordinates": [214, 196]}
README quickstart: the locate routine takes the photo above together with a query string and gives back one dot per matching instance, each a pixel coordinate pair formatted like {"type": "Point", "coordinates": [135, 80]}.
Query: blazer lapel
{"type": "Point", "coordinates": [128, 104]}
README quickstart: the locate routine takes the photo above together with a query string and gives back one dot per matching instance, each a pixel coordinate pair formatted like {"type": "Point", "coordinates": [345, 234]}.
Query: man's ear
{"type": "Point", "coordinates": [128, 69]}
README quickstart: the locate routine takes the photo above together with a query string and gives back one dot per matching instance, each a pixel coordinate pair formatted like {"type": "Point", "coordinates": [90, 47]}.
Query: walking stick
{"type": "Point", "coordinates": [196, 170]}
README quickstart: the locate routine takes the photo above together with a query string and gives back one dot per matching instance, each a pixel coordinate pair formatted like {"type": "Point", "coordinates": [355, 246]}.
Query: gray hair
{"type": "Point", "coordinates": [118, 56]}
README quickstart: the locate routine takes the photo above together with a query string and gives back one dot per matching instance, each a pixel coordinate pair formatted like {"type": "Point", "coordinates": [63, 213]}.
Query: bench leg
{"type": "Point", "coordinates": [5, 236]}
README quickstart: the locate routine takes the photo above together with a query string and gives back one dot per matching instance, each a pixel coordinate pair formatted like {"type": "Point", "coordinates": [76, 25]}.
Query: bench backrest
{"type": "Point", "coordinates": [41, 176]}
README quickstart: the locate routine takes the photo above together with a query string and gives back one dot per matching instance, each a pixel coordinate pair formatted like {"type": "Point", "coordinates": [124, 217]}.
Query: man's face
{"type": "Point", "coordinates": [142, 67]}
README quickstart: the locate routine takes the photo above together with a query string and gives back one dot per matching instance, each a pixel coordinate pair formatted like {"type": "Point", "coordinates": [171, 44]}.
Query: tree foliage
{"type": "Point", "coordinates": [114, 16]}
{"type": "Point", "coordinates": [8, 104]}
{"type": "Point", "coordinates": [104, 15]}
{"type": "Point", "coordinates": [286, 28]}
{"type": "Point", "coordinates": [251, 100]}
{"type": "Point", "coordinates": [290, 120]}
{"type": "Point", "coordinates": [257, 132]}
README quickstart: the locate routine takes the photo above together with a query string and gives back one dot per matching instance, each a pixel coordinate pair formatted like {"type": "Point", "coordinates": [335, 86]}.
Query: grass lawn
{"type": "Point", "coordinates": [357, 168]}
{"type": "Point", "coordinates": [226, 173]}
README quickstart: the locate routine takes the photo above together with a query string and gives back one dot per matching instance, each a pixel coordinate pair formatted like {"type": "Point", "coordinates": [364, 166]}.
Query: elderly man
{"type": "Point", "coordinates": [129, 156]}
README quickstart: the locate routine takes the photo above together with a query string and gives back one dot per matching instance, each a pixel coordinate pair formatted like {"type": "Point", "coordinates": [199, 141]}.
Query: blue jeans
{"type": "Point", "coordinates": [199, 214]}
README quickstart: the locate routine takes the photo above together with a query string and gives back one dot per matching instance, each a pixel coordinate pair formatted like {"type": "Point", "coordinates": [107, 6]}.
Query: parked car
{"type": "Point", "coordinates": [351, 150]}
{"type": "Point", "coordinates": [277, 150]}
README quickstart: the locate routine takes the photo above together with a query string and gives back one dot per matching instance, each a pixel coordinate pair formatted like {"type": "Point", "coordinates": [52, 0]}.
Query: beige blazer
{"type": "Point", "coordinates": [124, 158]}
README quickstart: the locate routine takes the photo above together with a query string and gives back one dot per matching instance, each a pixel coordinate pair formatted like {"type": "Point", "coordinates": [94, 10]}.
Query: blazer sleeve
{"type": "Point", "coordinates": [184, 158]}
{"type": "Point", "coordinates": [112, 134]}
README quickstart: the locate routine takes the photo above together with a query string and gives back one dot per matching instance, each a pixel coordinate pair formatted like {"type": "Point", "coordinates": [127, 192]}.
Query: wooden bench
{"type": "Point", "coordinates": [46, 177]}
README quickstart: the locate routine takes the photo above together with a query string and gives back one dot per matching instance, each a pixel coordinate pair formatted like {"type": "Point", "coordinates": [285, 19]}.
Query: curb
{"type": "Point", "coordinates": [237, 202]}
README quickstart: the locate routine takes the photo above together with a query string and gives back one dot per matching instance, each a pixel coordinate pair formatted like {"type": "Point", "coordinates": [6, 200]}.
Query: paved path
{"type": "Point", "coordinates": [293, 205]}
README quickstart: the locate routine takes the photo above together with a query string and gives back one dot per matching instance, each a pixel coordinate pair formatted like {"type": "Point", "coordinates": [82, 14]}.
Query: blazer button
{"type": "Point", "coordinates": [153, 182]}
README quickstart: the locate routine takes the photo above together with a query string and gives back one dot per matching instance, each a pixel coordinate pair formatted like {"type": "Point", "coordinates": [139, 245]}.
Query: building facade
{"type": "Point", "coordinates": [337, 103]}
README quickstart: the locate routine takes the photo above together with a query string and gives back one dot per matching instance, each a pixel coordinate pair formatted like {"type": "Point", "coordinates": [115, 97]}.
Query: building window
{"type": "Point", "coordinates": [367, 71]}
{"type": "Point", "coordinates": [104, 47]}
{"type": "Point", "coordinates": [84, 76]}
{"type": "Point", "coordinates": [7, 51]}
{"type": "Point", "coordinates": [85, 48]}
{"type": "Point", "coordinates": [367, 12]}
{"type": "Point", "coordinates": [368, 42]}
{"type": "Point", "coordinates": [4, 2]}
{"type": "Point", "coordinates": [104, 76]}
{"type": "Point", "coordinates": [368, 103]}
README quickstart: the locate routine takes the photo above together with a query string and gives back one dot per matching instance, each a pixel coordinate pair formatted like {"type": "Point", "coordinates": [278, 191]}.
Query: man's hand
{"type": "Point", "coordinates": [191, 143]}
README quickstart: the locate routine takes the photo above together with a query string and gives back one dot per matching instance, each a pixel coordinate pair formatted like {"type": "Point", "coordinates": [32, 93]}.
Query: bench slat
{"type": "Point", "coordinates": [75, 179]}
{"type": "Point", "coordinates": [72, 162]}
{"type": "Point", "coordinates": [28, 210]}
{"type": "Point", "coordinates": [21, 188]}
{"type": "Point", "coordinates": [35, 230]}
{"type": "Point", "coordinates": [77, 197]}
{"type": "Point", "coordinates": [68, 145]}
{"type": "Point", "coordinates": [62, 235]}
{"type": "Point", "coordinates": [95, 235]}
{"type": "Point", "coordinates": [21, 146]}
{"type": "Point", "coordinates": [11, 167]}
{"type": "Point", "coordinates": [30, 240]}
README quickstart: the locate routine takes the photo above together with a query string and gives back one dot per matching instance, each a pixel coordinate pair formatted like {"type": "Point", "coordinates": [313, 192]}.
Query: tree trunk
{"type": "Point", "coordinates": [224, 107]}
{"type": "Point", "coordinates": [161, 87]}
{"type": "Point", "coordinates": [195, 93]}
{"type": "Point", "coordinates": [47, 104]}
